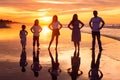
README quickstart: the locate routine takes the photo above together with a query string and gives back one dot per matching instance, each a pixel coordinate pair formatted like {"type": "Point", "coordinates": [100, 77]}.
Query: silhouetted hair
{"type": "Point", "coordinates": [95, 12]}
{"type": "Point", "coordinates": [55, 18]}
{"type": "Point", "coordinates": [75, 17]}
{"type": "Point", "coordinates": [23, 69]}
{"type": "Point", "coordinates": [36, 74]}
{"type": "Point", "coordinates": [23, 27]}
{"type": "Point", "coordinates": [36, 22]}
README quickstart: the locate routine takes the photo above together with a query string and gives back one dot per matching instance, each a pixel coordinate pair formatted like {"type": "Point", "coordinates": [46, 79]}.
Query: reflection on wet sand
{"type": "Point", "coordinates": [95, 73]}
{"type": "Point", "coordinates": [54, 70]}
{"type": "Point", "coordinates": [75, 72]}
{"type": "Point", "coordinates": [23, 60]}
{"type": "Point", "coordinates": [36, 66]}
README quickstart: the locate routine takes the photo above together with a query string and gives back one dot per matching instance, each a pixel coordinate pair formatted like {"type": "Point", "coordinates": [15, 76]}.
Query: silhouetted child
{"type": "Point", "coordinates": [36, 29]}
{"type": "Point", "coordinates": [36, 67]}
{"type": "Point", "coordinates": [75, 25]}
{"type": "Point", "coordinates": [55, 26]}
{"type": "Point", "coordinates": [23, 62]}
{"type": "Point", "coordinates": [54, 70]}
{"type": "Point", "coordinates": [23, 33]}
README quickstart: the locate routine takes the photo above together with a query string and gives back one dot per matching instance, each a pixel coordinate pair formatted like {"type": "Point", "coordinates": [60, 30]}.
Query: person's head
{"type": "Point", "coordinates": [54, 74]}
{"type": "Point", "coordinates": [23, 69]}
{"type": "Point", "coordinates": [36, 74]}
{"type": "Point", "coordinates": [23, 27]}
{"type": "Point", "coordinates": [55, 18]}
{"type": "Point", "coordinates": [36, 22]}
{"type": "Point", "coordinates": [75, 17]}
{"type": "Point", "coordinates": [95, 13]}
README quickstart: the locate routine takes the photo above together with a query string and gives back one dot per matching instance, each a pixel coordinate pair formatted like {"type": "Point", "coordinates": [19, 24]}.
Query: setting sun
{"type": "Point", "coordinates": [45, 18]}
{"type": "Point", "coordinates": [45, 30]}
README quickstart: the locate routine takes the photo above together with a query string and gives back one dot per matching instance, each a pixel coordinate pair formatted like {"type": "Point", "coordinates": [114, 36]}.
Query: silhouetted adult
{"type": "Point", "coordinates": [74, 72]}
{"type": "Point", "coordinates": [75, 25]}
{"type": "Point", "coordinates": [96, 24]}
{"type": "Point", "coordinates": [95, 73]}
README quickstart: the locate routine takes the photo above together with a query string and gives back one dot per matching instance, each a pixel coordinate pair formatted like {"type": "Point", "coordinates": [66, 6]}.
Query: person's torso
{"type": "Point", "coordinates": [96, 23]}
{"type": "Point", "coordinates": [36, 30]}
{"type": "Point", "coordinates": [22, 34]}
{"type": "Point", "coordinates": [75, 24]}
{"type": "Point", "coordinates": [55, 25]}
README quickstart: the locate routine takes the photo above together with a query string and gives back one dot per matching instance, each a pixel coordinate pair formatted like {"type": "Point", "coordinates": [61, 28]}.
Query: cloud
{"type": "Point", "coordinates": [36, 5]}
{"type": "Point", "coordinates": [35, 8]}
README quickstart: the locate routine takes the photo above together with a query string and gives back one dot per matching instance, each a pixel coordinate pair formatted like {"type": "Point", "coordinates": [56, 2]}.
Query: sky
{"type": "Point", "coordinates": [26, 11]}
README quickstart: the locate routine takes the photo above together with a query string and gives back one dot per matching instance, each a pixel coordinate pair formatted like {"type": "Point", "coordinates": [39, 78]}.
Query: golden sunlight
{"type": "Point", "coordinates": [45, 19]}
{"type": "Point", "coordinates": [45, 30]}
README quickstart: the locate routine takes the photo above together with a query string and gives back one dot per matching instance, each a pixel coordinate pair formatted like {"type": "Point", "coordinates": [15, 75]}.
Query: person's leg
{"type": "Point", "coordinates": [56, 58]}
{"type": "Point", "coordinates": [78, 49]}
{"type": "Point", "coordinates": [75, 44]}
{"type": "Point", "coordinates": [37, 39]}
{"type": "Point", "coordinates": [93, 59]}
{"type": "Point", "coordinates": [51, 41]}
{"type": "Point", "coordinates": [98, 60]}
{"type": "Point", "coordinates": [56, 42]}
{"type": "Point", "coordinates": [33, 42]}
{"type": "Point", "coordinates": [93, 40]}
{"type": "Point", "coordinates": [24, 46]}
{"type": "Point", "coordinates": [99, 41]}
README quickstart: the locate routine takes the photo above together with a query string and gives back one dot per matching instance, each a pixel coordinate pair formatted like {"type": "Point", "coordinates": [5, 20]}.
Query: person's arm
{"type": "Point", "coordinates": [82, 24]}
{"type": "Point", "coordinates": [31, 29]}
{"type": "Point", "coordinates": [103, 23]}
{"type": "Point", "coordinates": [20, 34]}
{"type": "Point", "coordinates": [89, 73]}
{"type": "Point", "coordinates": [60, 25]}
{"type": "Point", "coordinates": [40, 29]}
{"type": "Point", "coordinates": [70, 25]}
{"type": "Point", "coordinates": [90, 24]}
{"type": "Point", "coordinates": [101, 74]}
{"type": "Point", "coordinates": [32, 67]}
{"type": "Point", "coordinates": [50, 26]}
{"type": "Point", "coordinates": [26, 32]}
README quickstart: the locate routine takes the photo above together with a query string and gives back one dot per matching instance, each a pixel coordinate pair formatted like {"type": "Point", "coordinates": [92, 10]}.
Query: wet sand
{"type": "Point", "coordinates": [10, 51]}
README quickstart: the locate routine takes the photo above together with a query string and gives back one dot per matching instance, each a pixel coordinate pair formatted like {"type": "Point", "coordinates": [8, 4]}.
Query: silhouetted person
{"type": "Point", "coordinates": [74, 72]}
{"type": "Point", "coordinates": [55, 26]}
{"type": "Point", "coordinates": [96, 24]}
{"type": "Point", "coordinates": [54, 70]}
{"type": "Point", "coordinates": [76, 33]}
{"type": "Point", "coordinates": [23, 60]}
{"type": "Point", "coordinates": [36, 29]}
{"type": "Point", "coordinates": [36, 67]}
{"type": "Point", "coordinates": [23, 33]}
{"type": "Point", "coordinates": [95, 73]}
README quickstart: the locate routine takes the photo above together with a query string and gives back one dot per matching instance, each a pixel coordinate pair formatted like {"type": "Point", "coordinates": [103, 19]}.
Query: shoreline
{"type": "Point", "coordinates": [105, 35]}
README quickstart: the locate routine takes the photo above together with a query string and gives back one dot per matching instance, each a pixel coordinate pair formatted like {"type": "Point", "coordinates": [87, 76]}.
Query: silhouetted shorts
{"type": "Point", "coordinates": [55, 32]}
{"type": "Point", "coordinates": [35, 39]}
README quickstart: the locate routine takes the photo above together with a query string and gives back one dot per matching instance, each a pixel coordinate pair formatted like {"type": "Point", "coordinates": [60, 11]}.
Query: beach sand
{"type": "Point", "coordinates": [10, 50]}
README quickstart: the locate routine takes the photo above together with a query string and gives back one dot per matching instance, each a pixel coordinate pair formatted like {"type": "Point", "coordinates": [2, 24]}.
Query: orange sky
{"type": "Point", "coordinates": [27, 11]}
